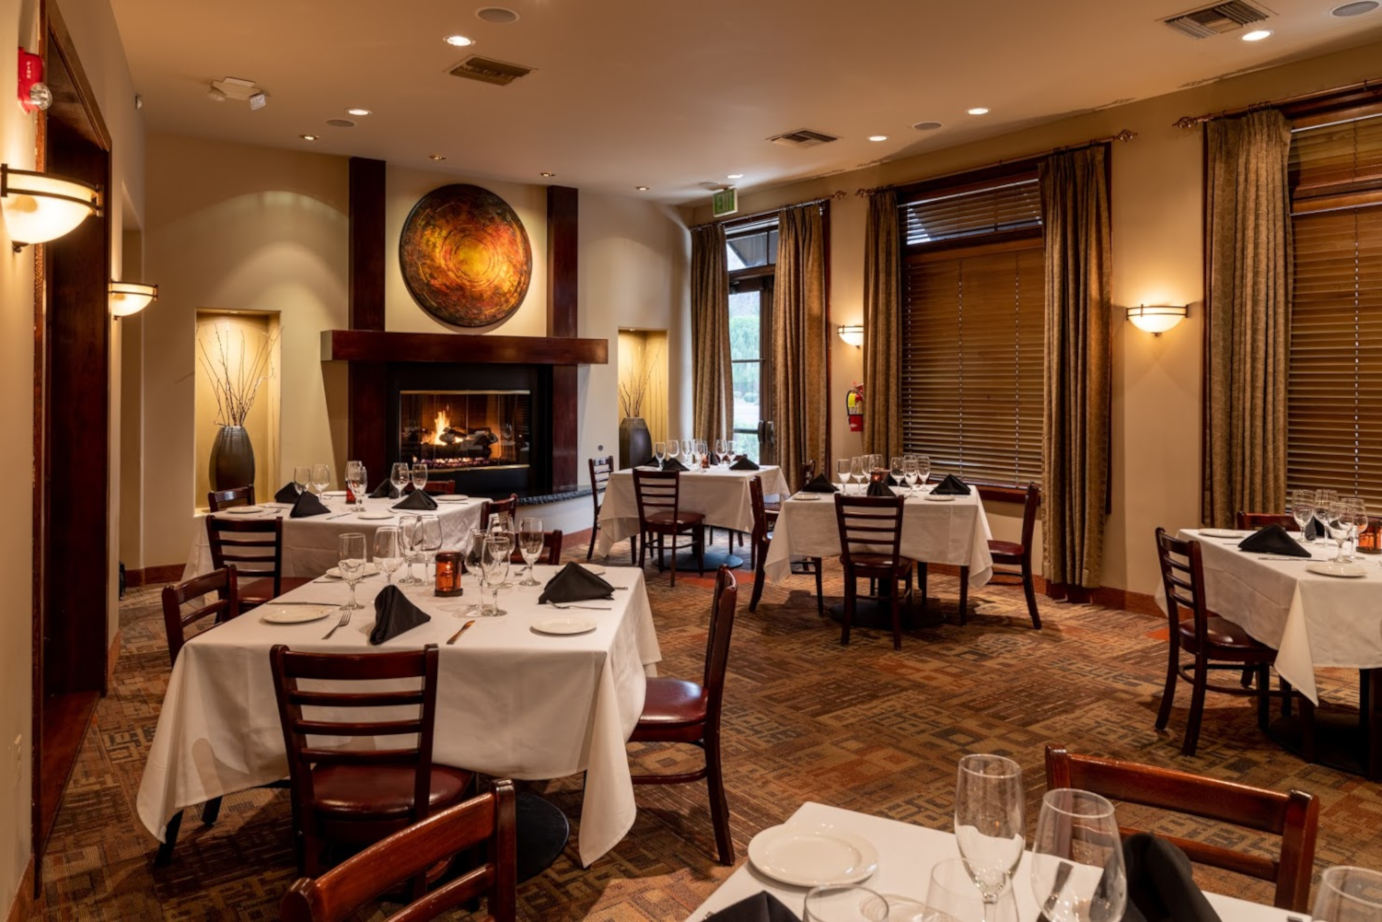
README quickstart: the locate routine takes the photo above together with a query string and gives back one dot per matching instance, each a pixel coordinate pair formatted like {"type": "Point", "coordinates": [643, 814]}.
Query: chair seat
{"type": "Point", "coordinates": [1006, 551]}
{"type": "Point", "coordinates": [383, 789]}
{"type": "Point", "coordinates": [1223, 637]}
{"type": "Point", "coordinates": [261, 590]}
{"type": "Point", "coordinates": [674, 710]}
{"type": "Point", "coordinates": [880, 562]}
{"type": "Point", "coordinates": [683, 520]}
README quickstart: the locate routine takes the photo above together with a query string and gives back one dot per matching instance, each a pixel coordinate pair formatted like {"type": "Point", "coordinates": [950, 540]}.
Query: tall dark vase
{"type": "Point", "coordinates": [635, 444]}
{"type": "Point", "coordinates": [232, 459]}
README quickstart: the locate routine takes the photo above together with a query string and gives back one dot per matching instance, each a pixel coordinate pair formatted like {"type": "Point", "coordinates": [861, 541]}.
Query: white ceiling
{"type": "Point", "coordinates": [674, 94]}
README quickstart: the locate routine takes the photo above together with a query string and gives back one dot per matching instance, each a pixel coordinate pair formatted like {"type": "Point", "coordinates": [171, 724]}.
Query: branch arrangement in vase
{"type": "Point", "coordinates": [235, 377]}
{"type": "Point", "coordinates": [634, 390]}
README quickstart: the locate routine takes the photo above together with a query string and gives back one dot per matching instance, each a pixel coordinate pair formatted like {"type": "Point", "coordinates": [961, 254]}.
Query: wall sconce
{"type": "Point", "coordinates": [128, 298]}
{"type": "Point", "coordinates": [1157, 318]}
{"type": "Point", "coordinates": [39, 207]}
{"type": "Point", "coordinates": [853, 334]}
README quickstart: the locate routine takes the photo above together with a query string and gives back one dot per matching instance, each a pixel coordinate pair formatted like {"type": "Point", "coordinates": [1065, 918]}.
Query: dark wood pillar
{"type": "Point", "coordinates": [563, 239]}
{"type": "Point", "coordinates": [366, 436]}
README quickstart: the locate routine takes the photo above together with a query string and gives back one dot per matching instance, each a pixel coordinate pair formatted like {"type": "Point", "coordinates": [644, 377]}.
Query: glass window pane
{"type": "Point", "coordinates": [747, 411]}
{"type": "Point", "coordinates": [744, 325]}
{"type": "Point", "coordinates": [749, 250]}
{"type": "Point", "coordinates": [746, 443]}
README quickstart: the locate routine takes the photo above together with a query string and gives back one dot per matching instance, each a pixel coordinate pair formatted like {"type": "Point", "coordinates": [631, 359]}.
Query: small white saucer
{"type": "Point", "coordinates": [293, 614]}
{"type": "Point", "coordinates": [376, 516]}
{"type": "Point", "coordinates": [933, 498]}
{"type": "Point", "coordinates": [575, 624]}
{"type": "Point", "coordinates": [243, 510]}
{"type": "Point", "coordinates": [451, 498]}
{"type": "Point", "coordinates": [1334, 568]}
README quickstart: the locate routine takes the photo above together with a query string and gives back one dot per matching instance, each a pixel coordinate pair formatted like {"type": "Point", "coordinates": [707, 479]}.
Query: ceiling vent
{"type": "Point", "coordinates": [488, 70]}
{"type": "Point", "coordinates": [1217, 19]}
{"type": "Point", "coordinates": [802, 137]}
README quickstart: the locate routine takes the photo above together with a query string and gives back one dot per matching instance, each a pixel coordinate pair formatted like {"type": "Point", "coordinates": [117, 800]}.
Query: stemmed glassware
{"type": "Point", "coordinates": [427, 541]}
{"type": "Point", "coordinates": [501, 530]}
{"type": "Point", "coordinates": [720, 454]}
{"type": "Point", "coordinates": [1348, 894]}
{"type": "Point", "coordinates": [1077, 870]}
{"type": "Point", "coordinates": [357, 481]}
{"type": "Point", "coordinates": [660, 452]}
{"type": "Point", "coordinates": [351, 559]}
{"type": "Point", "coordinates": [494, 561]}
{"type": "Point", "coordinates": [842, 473]}
{"type": "Point", "coordinates": [731, 451]}
{"type": "Point", "coordinates": [909, 473]}
{"type": "Point", "coordinates": [399, 475]}
{"type": "Point", "coordinates": [410, 528]}
{"type": "Point", "coordinates": [952, 897]}
{"type": "Point", "coordinates": [857, 471]}
{"type": "Point", "coordinates": [688, 448]}
{"type": "Point", "coordinates": [1301, 505]}
{"type": "Point", "coordinates": [388, 550]}
{"type": "Point", "coordinates": [530, 538]}
{"type": "Point", "coordinates": [989, 825]}
{"type": "Point", "coordinates": [923, 469]}
{"type": "Point", "coordinates": [898, 470]}
{"type": "Point", "coordinates": [844, 903]}
{"type": "Point", "coordinates": [302, 476]}
{"type": "Point", "coordinates": [1338, 524]}
{"type": "Point", "coordinates": [1323, 500]}
{"type": "Point", "coordinates": [419, 475]}
{"type": "Point", "coordinates": [474, 552]}
{"type": "Point", "coordinates": [320, 478]}
{"type": "Point", "coordinates": [701, 452]}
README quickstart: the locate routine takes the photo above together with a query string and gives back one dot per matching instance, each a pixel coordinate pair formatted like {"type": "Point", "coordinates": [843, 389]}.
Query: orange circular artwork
{"type": "Point", "coordinates": [465, 256]}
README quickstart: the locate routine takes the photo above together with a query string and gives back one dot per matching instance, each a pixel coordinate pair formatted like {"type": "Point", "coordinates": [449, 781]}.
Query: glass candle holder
{"type": "Point", "coordinates": [1370, 539]}
{"type": "Point", "coordinates": [448, 581]}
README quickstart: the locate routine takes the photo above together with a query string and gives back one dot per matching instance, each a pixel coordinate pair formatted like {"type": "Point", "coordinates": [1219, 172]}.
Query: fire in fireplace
{"type": "Point", "coordinates": [465, 429]}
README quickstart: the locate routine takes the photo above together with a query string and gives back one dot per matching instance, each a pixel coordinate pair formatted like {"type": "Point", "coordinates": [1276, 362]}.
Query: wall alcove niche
{"type": "Point", "coordinates": [643, 373]}
{"type": "Point", "coordinates": [235, 338]}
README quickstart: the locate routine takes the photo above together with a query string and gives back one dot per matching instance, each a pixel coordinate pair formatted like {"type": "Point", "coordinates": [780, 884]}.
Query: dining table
{"type": "Point", "coordinates": [906, 853]}
{"type": "Point", "coordinates": [536, 693]}
{"type": "Point", "coordinates": [309, 543]}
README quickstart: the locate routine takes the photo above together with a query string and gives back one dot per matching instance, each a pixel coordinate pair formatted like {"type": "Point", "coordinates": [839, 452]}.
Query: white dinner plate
{"type": "Point", "coordinates": [1224, 533]}
{"type": "Point", "coordinates": [933, 498]}
{"type": "Point", "coordinates": [808, 497]}
{"type": "Point", "coordinates": [293, 614]}
{"type": "Point", "coordinates": [370, 570]}
{"type": "Point", "coordinates": [806, 855]}
{"type": "Point", "coordinates": [1341, 570]}
{"type": "Point", "coordinates": [597, 571]}
{"type": "Point", "coordinates": [376, 516]}
{"type": "Point", "coordinates": [243, 510]}
{"type": "Point", "coordinates": [451, 498]}
{"type": "Point", "coordinates": [576, 624]}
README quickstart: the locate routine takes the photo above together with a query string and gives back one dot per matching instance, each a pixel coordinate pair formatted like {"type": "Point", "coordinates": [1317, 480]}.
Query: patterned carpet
{"type": "Point", "coordinates": [861, 727]}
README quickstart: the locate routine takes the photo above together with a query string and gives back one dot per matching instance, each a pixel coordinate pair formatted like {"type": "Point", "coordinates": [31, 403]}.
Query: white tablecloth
{"type": "Point", "coordinates": [309, 545]}
{"type": "Point", "coordinates": [954, 532]}
{"type": "Point", "coordinates": [1310, 619]}
{"type": "Point", "coordinates": [511, 702]}
{"type": "Point", "coordinates": [906, 854]}
{"type": "Point", "coordinates": [721, 495]}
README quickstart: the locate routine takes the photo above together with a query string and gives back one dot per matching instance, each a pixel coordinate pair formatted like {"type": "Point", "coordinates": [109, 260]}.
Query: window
{"type": "Point", "coordinates": [1334, 391]}
{"type": "Point", "coordinates": [973, 315]}
{"type": "Point", "coordinates": [752, 257]}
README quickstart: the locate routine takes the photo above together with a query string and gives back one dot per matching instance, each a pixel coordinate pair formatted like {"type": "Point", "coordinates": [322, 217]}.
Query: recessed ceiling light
{"type": "Point", "coordinates": [978, 110]}
{"type": "Point", "coordinates": [878, 137]}
{"type": "Point", "coordinates": [308, 137]}
{"type": "Point", "coordinates": [735, 176]}
{"type": "Point", "coordinates": [459, 41]}
{"type": "Point", "coordinates": [496, 14]}
{"type": "Point", "coordinates": [547, 174]}
{"type": "Point", "coordinates": [436, 156]}
{"type": "Point", "coordinates": [926, 126]}
{"type": "Point", "coordinates": [1256, 35]}
{"type": "Point", "coordinates": [357, 112]}
{"type": "Point", "coordinates": [641, 188]}
{"type": "Point", "coordinates": [1355, 9]}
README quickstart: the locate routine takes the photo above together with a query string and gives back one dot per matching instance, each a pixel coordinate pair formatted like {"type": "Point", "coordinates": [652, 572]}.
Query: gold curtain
{"type": "Point", "coordinates": [712, 413]}
{"type": "Point", "coordinates": [799, 396]}
{"type": "Point", "coordinates": [1247, 315]}
{"type": "Point", "coordinates": [882, 327]}
{"type": "Point", "coordinates": [1075, 452]}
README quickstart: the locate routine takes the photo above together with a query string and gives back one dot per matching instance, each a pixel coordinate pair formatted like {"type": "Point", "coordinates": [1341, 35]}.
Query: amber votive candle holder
{"type": "Point", "coordinates": [1370, 539]}
{"type": "Point", "coordinates": [448, 580]}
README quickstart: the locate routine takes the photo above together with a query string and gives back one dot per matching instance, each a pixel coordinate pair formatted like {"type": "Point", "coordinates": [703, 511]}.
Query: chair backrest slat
{"type": "Point", "coordinates": [217, 500]}
{"type": "Point", "coordinates": [224, 607]}
{"type": "Point", "coordinates": [600, 469]}
{"type": "Point", "coordinates": [1255, 520]}
{"type": "Point", "coordinates": [869, 525]}
{"type": "Point", "coordinates": [493, 507]}
{"type": "Point", "coordinates": [252, 546]}
{"type": "Point", "coordinates": [1182, 576]}
{"type": "Point", "coordinates": [441, 487]}
{"type": "Point", "coordinates": [657, 492]}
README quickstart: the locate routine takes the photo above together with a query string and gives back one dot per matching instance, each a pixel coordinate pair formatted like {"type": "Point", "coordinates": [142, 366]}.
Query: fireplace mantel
{"type": "Point", "coordinates": [380, 346]}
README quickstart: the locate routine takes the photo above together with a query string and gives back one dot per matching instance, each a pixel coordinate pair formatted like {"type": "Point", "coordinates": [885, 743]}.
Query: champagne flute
{"type": "Point", "coordinates": [302, 476]}
{"type": "Point", "coordinates": [350, 558]}
{"type": "Point", "coordinates": [1077, 871]}
{"type": "Point", "coordinates": [388, 550]}
{"type": "Point", "coordinates": [408, 528]}
{"type": "Point", "coordinates": [399, 475]}
{"type": "Point", "coordinates": [530, 538]}
{"type": "Point", "coordinates": [952, 897]}
{"type": "Point", "coordinates": [419, 475]}
{"type": "Point", "coordinates": [429, 542]}
{"type": "Point", "coordinates": [494, 560]}
{"type": "Point", "coordinates": [660, 452]}
{"type": "Point", "coordinates": [989, 825]}
{"type": "Point", "coordinates": [320, 478]}
{"type": "Point", "coordinates": [357, 481]}
{"type": "Point", "coordinates": [1348, 894]}
{"type": "Point", "coordinates": [844, 903]}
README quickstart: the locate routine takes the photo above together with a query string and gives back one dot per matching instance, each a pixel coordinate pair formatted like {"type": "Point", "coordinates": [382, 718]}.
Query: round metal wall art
{"type": "Point", "coordinates": [465, 256]}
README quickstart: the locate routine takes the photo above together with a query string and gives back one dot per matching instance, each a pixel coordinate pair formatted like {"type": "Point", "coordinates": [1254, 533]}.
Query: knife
{"type": "Point", "coordinates": [453, 637]}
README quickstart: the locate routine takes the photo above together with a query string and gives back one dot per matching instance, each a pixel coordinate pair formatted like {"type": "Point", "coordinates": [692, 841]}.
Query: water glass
{"type": "Point", "coordinates": [357, 481]}
{"type": "Point", "coordinates": [320, 478]}
{"type": "Point", "coordinates": [844, 903]}
{"type": "Point", "coordinates": [410, 528]}
{"type": "Point", "coordinates": [721, 453]}
{"type": "Point", "coordinates": [843, 466]}
{"type": "Point", "coordinates": [923, 469]}
{"type": "Point", "coordinates": [898, 470]}
{"type": "Point", "coordinates": [494, 562]}
{"type": "Point", "coordinates": [351, 559]}
{"type": "Point", "coordinates": [660, 452]}
{"type": "Point", "coordinates": [302, 476]}
{"type": "Point", "coordinates": [530, 539]}
{"type": "Point", "coordinates": [858, 470]}
{"type": "Point", "coordinates": [1077, 871]}
{"type": "Point", "coordinates": [428, 541]}
{"type": "Point", "coordinates": [388, 550]}
{"type": "Point", "coordinates": [1302, 508]}
{"type": "Point", "coordinates": [419, 475]}
{"type": "Point", "coordinates": [1323, 500]}
{"type": "Point", "coordinates": [989, 826]}
{"type": "Point", "coordinates": [399, 475]}
{"type": "Point", "coordinates": [1348, 894]}
{"type": "Point", "coordinates": [1338, 524]}
{"type": "Point", "coordinates": [909, 473]}
{"type": "Point", "coordinates": [952, 897]}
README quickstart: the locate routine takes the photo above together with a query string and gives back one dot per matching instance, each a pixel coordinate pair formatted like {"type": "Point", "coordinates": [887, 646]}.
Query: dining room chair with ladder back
{"type": "Point", "coordinates": [482, 827]}
{"type": "Point", "coordinates": [1293, 815]}
{"type": "Point", "coordinates": [347, 787]}
{"type": "Point", "coordinates": [216, 500]}
{"type": "Point", "coordinates": [870, 548]}
{"type": "Point", "coordinates": [441, 487]}
{"type": "Point", "coordinates": [658, 494]}
{"type": "Point", "coordinates": [1255, 520]}
{"type": "Point", "coordinates": [679, 711]}
{"type": "Point", "coordinates": [493, 507]}
{"type": "Point", "coordinates": [759, 542]}
{"type": "Point", "coordinates": [254, 547]}
{"type": "Point", "coordinates": [1009, 554]}
{"type": "Point", "coordinates": [600, 471]}
{"type": "Point", "coordinates": [551, 549]}
{"type": "Point", "coordinates": [1215, 642]}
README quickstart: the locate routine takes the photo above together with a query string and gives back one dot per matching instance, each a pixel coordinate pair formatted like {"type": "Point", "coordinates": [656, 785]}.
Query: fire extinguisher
{"type": "Point", "coordinates": [854, 407]}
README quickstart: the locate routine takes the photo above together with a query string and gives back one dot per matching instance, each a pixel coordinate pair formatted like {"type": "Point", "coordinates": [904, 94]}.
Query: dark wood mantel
{"type": "Point", "coordinates": [381, 346]}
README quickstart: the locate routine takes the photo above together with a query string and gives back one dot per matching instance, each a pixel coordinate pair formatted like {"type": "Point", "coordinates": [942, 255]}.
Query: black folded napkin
{"type": "Point", "coordinates": [1160, 885]}
{"type": "Point", "coordinates": [819, 484]}
{"type": "Point", "coordinates": [288, 493]}
{"type": "Point", "coordinates": [951, 486]}
{"type": "Point", "coordinates": [890, 480]}
{"type": "Point", "coordinates": [574, 583]}
{"type": "Point", "coordinates": [307, 505]}
{"type": "Point", "coordinates": [672, 464]}
{"type": "Point", "coordinates": [385, 490]}
{"type": "Point", "coordinates": [394, 614]}
{"type": "Point", "coordinates": [879, 488]}
{"type": "Point", "coordinates": [1273, 540]}
{"type": "Point", "coordinates": [1314, 529]}
{"type": "Point", "coordinates": [761, 907]}
{"type": "Point", "coordinates": [418, 499]}
{"type": "Point", "coordinates": [742, 463]}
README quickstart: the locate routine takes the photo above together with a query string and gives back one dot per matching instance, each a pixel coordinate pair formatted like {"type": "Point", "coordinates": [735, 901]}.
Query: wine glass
{"type": "Point", "coordinates": [494, 561]}
{"type": "Point", "coordinates": [952, 897]}
{"type": "Point", "coordinates": [1077, 871]}
{"type": "Point", "coordinates": [399, 475]}
{"type": "Point", "coordinates": [844, 903]}
{"type": "Point", "coordinates": [688, 448]}
{"type": "Point", "coordinates": [1302, 507]}
{"type": "Point", "coordinates": [1323, 500]}
{"type": "Point", "coordinates": [842, 469]}
{"type": "Point", "coordinates": [660, 452]}
{"type": "Point", "coordinates": [474, 553]}
{"type": "Point", "coordinates": [357, 481]}
{"type": "Point", "coordinates": [388, 550]}
{"type": "Point", "coordinates": [856, 469]}
{"type": "Point", "coordinates": [1348, 894]}
{"type": "Point", "coordinates": [351, 559]}
{"type": "Point", "coordinates": [503, 538]}
{"type": "Point", "coordinates": [875, 465]}
{"type": "Point", "coordinates": [320, 478]}
{"type": "Point", "coordinates": [731, 451]}
{"type": "Point", "coordinates": [923, 469]}
{"type": "Point", "coordinates": [898, 470]}
{"type": "Point", "coordinates": [909, 473]}
{"type": "Point", "coordinates": [989, 825]}
{"type": "Point", "coordinates": [428, 541]}
{"type": "Point", "coordinates": [720, 455]}
{"type": "Point", "coordinates": [409, 528]}
{"type": "Point", "coordinates": [530, 538]}
{"type": "Point", "coordinates": [1357, 512]}
{"type": "Point", "coordinates": [302, 476]}
{"type": "Point", "coordinates": [1338, 524]}
{"type": "Point", "coordinates": [419, 475]}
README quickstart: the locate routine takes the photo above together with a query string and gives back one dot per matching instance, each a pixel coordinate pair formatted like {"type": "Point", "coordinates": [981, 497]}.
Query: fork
{"type": "Point", "coordinates": [565, 605]}
{"type": "Point", "coordinates": [345, 619]}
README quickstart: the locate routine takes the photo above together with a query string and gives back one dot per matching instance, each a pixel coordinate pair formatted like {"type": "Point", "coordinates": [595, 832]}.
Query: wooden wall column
{"type": "Point", "coordinates": [367, 380]}
{"type": "Point", "coordinates": [563, 239]}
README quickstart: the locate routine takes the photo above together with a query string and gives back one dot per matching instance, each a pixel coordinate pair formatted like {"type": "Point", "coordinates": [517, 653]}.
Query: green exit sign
{"type": "Point", "coordinates": [724, 202]}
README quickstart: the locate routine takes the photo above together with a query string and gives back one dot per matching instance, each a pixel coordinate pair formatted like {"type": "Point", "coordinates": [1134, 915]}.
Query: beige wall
{"type": "Point", "coordinates": [643, 365]}
{"type": "Point", "coordinates": [1157, 258]}
{"type": "Point", "coordinates": [243, 336]}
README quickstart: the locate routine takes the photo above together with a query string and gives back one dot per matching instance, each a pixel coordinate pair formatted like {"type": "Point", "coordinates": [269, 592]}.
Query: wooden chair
{"type": "Point", "coordinates": [1294, 815]}
{"type": "Point", "coordinates": [551, 549]}
{"type": "Point", "coordinates": [254, 547]}
{"type": "Point", "coordinates": [497, 506]}
{"type": "Point", "coordinates": [359, 795]}
{"type": "Point", "coordinates": [1254, 520]}
{"type": "Point", "coordinates": [225, 499]}
{"type": "Point", "coordinates": [1019, 554]}
{"type": "Point", "coordinates": [659, 513]}
{"type": "Point", "coordinates": [677, 711]}
{"type": "Point", "coordinates": [1215, 642]}
{"type": "Point", "coordinates": [870, 541]}
{"type": "Point", "coordinates": [600, 469]}
{"type": "Point", "coordinates": [487, 820]}
{"type": "Point", "coordinates": [759, 543]}
{"type": "Point", "coordinates": [441, 487]}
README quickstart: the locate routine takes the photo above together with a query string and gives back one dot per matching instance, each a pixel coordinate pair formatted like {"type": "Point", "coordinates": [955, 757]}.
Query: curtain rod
{"type": "Point", "coordinates": [1194, 121]}
{"type": "Point", "coordinates": [1124, 135]}
{"type": "Point", "coordinates": [759, 215]}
